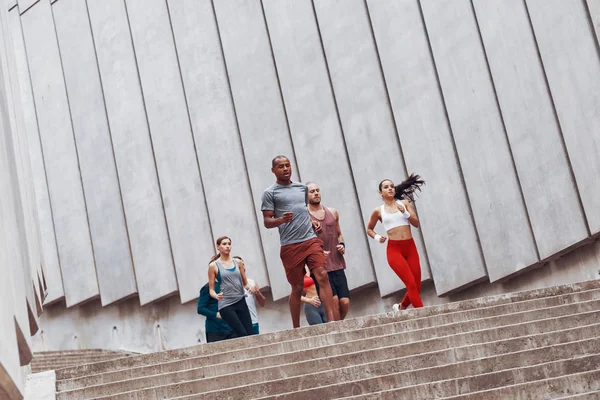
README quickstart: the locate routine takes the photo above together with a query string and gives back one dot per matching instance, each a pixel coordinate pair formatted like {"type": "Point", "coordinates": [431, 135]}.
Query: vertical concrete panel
{"type": "Point", "coordinates": [179, 176]}
{"type": "Point", "coordinates": [210, 105]}
{"type": "Point", "coordinates": [314, 126]}
{"type": "Point", "coordinates": [46, 234]}
{"type": "Point", "coordinates": [132, 147]}
{"type": "Point", "coordinates": [572, 64]}
{"type": "Point", "coordinates": [60, 156]}
{"type": "Point", "coordinates": [366, 119]}
{"type": "Point", "coordinates": [531, 126]}
{"type": "Point", "coordinates": [26, 218]}
{"type": "Point", "coordinates": [259, 109]}
{"type": "Point", "coordinates": [594, 11]}
{"type": "Point", "coordinates": [92, 138]}
{"type": "Point", "coordinates": [9, 351]}
{"type": "Point", "coordinates": [422, 126]}
{"type": "Point", "coordinates": [24, 5]}
{"type": "Point", "coordinates": [494, 192]}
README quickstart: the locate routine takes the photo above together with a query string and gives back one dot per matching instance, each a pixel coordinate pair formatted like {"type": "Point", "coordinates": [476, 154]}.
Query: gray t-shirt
{"type": "Point", "coordinates": [294, 198]}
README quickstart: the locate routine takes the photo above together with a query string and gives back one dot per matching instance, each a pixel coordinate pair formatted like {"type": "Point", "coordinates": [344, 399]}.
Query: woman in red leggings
{"type": "Point", "coordinates": [397, 215]}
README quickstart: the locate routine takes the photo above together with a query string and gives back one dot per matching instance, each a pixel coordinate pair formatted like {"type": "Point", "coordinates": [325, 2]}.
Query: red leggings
{"type": "Point", "coordinates": [403, 257]}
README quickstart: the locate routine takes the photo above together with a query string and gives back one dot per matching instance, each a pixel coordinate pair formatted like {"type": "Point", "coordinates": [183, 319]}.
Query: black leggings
{"type": "Point", "coordinates": [238, 318]}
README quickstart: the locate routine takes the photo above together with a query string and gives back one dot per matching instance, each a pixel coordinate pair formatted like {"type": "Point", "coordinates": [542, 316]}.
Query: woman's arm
{"type": "Point", "coordinates": [375, 217]}
{"type": "Point", "coordinates": [212, 277]}
{"type": "Point", "coordinates": [243, 273]}
{"type": "Point", "coordinates": [413, 219]}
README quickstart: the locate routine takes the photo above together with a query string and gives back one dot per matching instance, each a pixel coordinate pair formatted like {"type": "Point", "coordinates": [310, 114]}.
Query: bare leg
{"type": "Point", "coordinates": [344, 307]}
{"type": "Point", "coordinates": [295, 303]}
{"type": "Point", "coordinates": [325, 292]}
{"type": "Point", "coordinates": [336, 307]}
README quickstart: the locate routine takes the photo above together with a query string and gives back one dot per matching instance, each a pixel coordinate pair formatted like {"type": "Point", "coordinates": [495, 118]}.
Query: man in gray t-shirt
{"type": "Point", "coordinates": [284, 205]}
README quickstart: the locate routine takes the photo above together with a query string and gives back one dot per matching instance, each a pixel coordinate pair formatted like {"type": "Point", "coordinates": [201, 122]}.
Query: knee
{"type": "Point", "coordinates": [321, 276]}
{"type": "Point", "coordinates": [344, 302]}
{"type": "Point", "coordinates": [297, 290]}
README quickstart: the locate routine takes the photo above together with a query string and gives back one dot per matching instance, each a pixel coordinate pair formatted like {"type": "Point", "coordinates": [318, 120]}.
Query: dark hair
{"type": "Point", "coordinates": [219, 240]}
{"type": "Point", "coordinates": [407, 189]}
{"type": "Point", "coordinates": [279, 157]}
{"type": "Point", "coordinates": [239, 258]}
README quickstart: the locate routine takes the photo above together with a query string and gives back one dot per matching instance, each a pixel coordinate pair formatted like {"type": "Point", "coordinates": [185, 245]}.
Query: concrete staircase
{"type": "Point", "coordinates": [536, 344]}
{"type": "Point", "coordinates": [52, 360]}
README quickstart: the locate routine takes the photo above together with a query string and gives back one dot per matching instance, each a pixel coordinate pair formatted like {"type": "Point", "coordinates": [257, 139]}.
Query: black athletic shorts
{"type": "Point", "coordinates": [338, 283]}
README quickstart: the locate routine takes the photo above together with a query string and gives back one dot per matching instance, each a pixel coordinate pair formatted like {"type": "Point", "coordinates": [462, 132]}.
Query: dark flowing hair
{"type": "Point", "coordinates": [219, 240]}
{"type": "Point", "coordinates": [408, 188]}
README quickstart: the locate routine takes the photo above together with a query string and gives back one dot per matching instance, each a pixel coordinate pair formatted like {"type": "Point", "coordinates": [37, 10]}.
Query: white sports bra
{"type": "Point", "coordinates": [393, 220]}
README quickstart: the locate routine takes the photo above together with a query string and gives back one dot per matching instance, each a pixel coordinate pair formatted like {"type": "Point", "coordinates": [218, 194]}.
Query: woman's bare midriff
{"type": "Point", "coordinates": [400, 233]}
{"type": "Point", "coordinates": [311, 291]}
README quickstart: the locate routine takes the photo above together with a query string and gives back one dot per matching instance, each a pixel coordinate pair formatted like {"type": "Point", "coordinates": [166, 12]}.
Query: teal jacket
{"type": "Point", "coordinates": [208, 307]}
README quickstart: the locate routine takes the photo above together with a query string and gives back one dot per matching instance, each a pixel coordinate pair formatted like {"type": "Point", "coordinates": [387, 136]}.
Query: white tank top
{"type": "Point", "coordinates": [393, 220]}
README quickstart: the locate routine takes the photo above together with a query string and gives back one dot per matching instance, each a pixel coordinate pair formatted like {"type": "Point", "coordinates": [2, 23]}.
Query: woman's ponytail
{"type": "Point", "coordinates": [408, 188]}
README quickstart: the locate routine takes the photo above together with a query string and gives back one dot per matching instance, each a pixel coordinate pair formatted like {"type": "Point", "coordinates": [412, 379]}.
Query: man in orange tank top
{"type": "Point", "coordinates": [331, 235]}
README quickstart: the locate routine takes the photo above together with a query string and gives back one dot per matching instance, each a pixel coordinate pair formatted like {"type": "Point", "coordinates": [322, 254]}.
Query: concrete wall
{"type": "Point", "coordinates": [151, 125]}
{"type": "Point", "coordinates": [22, 290]}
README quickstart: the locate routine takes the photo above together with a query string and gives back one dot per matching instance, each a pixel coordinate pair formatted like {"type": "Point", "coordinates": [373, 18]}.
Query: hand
{"type": "Point", "coordinates": [218, 315]}
{"type": "Point", "coordinates": [317, 227]}
{"type": "Point", "coordinates": [382, 239]}
{"type": "Point", "coordinates": [220, 296]}
{"type": "Point", "coordinates": [287, 217]}
{"type": "Point", "coordinates": [401, 207]}
{"type": "Point", "coordinates": [341, 248]}
{"type": "Point", "coordinates": [315, 301]}
{"type": "Point", "coordinates": [253, 289]}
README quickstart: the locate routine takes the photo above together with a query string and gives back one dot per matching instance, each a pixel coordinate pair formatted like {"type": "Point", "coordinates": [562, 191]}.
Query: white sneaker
{"type": "Point", "coordinates": [396, 307]}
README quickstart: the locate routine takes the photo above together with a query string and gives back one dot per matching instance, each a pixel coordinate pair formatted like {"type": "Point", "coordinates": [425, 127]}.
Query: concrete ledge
{"type": "Point", "coordinates": [41, 386]}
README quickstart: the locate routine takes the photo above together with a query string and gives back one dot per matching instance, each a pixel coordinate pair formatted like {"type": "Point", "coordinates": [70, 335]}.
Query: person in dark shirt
{"type": "Point", "coordinates": [215, 327]}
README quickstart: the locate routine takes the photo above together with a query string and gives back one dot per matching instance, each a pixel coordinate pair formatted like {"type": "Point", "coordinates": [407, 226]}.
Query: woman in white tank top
{"type": "Point", "coordinates": [397, 216]}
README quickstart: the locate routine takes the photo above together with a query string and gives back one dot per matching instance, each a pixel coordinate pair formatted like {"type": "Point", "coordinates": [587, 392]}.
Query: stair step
{"type": "Point", "coordinates": [416, 373]}
{"type": "Point", "coordinates": [495, 380]}
{"type": "Point", "coordinates": [428, 353]}
{"type": "Point", "coordinates": [553, 388]}
{"type": "Point", "coordinates": [553, 318]}
{"type": "Point", "coordinates": [322, 330]}
{"type": "Point", "coordinates": [514, 312]}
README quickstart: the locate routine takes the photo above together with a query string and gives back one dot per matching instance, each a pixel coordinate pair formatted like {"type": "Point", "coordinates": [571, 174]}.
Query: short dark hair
{"type": "Point", "coordinates": [277, 158]}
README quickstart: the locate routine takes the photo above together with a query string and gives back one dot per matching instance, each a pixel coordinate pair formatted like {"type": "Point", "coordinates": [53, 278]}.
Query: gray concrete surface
{"type": "Point", "coordinates": [572, 64]}
{"type": "Point", "coordinates": [60, 156]}
{"type": "Point", "coordinates": [536, 142]}
{"type": "Point", "coordinates": [41, 386]}
{"type": "Point", "coordinates": [114, 267]}
{"type": "Point", "coordinates": [260, 112]}
{"type": "Point", "coordinates": [423, 129]}
{"type": "Point", "coordinates": [365, 117]}
{"type": "Point", "coordinates": [228, 195]}
{"type": "Point", "coordinates": [174, 148]}
{"type": "Point", "coordinates": [47, 237]}
{"type": "Point", "coordinates": [490, 178]}
{"type": "Point", "coordinates": [593, 7]}
{"type": "Point", "coordinates": [314, 125]}
{"type": "Point", "coordinates": [151, 251]}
